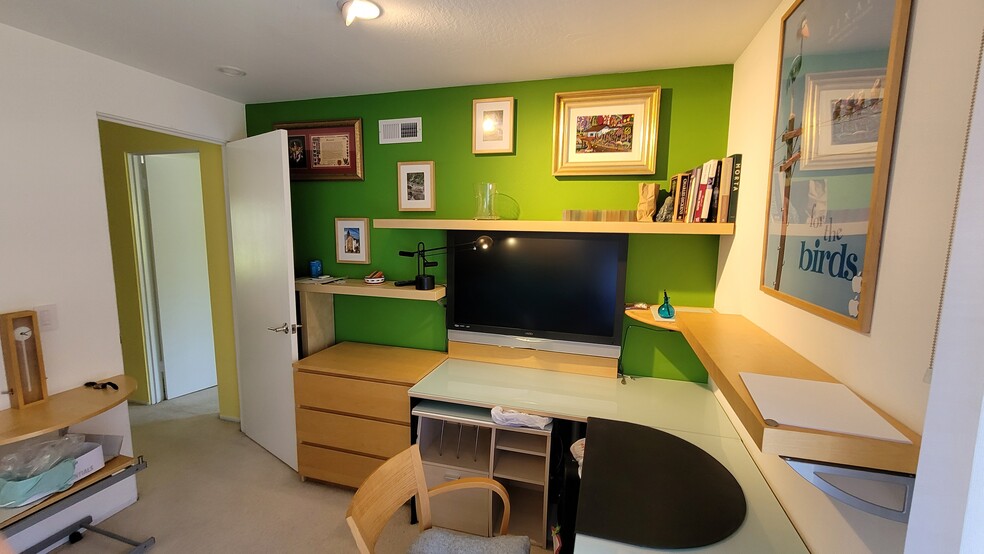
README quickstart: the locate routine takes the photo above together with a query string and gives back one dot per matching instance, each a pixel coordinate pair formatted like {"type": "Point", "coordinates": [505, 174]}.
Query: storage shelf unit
{"type": "Point", "coordinates": [630, 227]}
{"type": "Point", "coordinates": [519, 460]}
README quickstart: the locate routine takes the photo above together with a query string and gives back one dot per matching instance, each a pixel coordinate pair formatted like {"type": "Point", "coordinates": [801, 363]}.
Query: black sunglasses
{"type": "Point", "coordinates": [95, 385]}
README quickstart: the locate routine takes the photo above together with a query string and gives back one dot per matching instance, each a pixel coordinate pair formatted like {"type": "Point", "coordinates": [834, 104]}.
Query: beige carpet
{"type": "Point", "coordinates": [208, 488]}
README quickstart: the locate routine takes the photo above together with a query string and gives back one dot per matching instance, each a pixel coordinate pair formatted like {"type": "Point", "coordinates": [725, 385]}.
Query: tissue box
{"type": "Point", "coordinates": [89, 460]}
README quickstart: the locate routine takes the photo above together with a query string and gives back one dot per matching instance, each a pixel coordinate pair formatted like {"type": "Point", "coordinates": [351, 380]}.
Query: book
{"type": "Point", "coordinates": [714, 189]}
{"type": "Point", "coordinates": [727, 165]}
{"type": "Point", "coordinates": [680, 201]}
{"type": "Point", "coordinates": [703, 202]}
{"type": "Point", "coordinates": [735, 185]}
{"type": "Point", "coordinates": [692, 195]}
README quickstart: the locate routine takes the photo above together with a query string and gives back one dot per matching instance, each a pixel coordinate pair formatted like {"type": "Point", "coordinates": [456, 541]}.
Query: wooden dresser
{"type": "Point", "coordinates": [353, 408]}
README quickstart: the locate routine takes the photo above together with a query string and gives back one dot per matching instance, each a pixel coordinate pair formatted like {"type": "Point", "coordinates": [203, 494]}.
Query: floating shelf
{"type": "Point", "coordinates": [630, 227]}
{"type": "Point", "coordinates": [358, 287]}
{"type": "Point", "coordinates": [729, 344]}
{"type": "Point", "coordinates": [646, 316]}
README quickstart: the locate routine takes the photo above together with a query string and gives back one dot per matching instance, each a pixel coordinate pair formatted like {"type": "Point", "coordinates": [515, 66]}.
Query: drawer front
{"type": "Point", "coordinates": [352, 396]}
{"type": "Point", "coordinates": [463, 510]}
{"type": "Point", "coordinates": [352, 433]}
{"type": "Point", "coordinates": [333, 466]}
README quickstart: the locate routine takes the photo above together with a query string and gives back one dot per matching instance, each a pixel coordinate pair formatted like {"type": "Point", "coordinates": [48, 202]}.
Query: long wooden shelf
{"type": "Point", "coordinates": [358, 287]}
{"type": "Point", "coordinates": [630, 227]}
{"type": "Point", "coordinates": [62, 410]}
{"type": "Point", "coordinates": [729, 344]}
{"type": "Point", "coordinates": [646, 316]}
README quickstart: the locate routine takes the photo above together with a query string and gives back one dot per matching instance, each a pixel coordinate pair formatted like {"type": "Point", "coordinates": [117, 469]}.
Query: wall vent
{"type": "Point", "coordinates": [393, 131]}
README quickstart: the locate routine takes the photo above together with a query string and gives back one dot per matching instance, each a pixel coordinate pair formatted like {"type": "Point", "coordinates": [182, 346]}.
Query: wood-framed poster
{"type": "Point", "coordinates": [352, 240]}
{"type": "Point", "coordinates": [324, 150]}
{"type": "Point", "coordinates": [415, 186]}
{"type": "Point", "coordinates": [606, 132]}
{"type": "Point", "coordinates": [837, 91]}
{"type": "Point", "coordinates": [492, 125]}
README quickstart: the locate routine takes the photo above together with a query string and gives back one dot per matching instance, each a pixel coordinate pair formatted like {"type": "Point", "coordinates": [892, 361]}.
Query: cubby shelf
{"type": "Point", "coordinates": [629, 227]}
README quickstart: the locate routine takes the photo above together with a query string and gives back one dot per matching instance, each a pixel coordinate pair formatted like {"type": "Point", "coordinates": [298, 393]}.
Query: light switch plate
{"type": "Point", "coordinates": [47, 317]}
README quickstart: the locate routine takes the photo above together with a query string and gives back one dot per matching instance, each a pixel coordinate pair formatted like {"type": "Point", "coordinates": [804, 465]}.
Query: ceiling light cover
{"type": "Point", "coordinates": [358, 9]}
{"type": "Point", "coordinates": [231, 71]}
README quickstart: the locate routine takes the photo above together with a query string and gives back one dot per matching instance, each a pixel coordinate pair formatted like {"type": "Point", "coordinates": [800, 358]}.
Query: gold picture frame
{"type": "Point", "coordinates": [837, 93]}
{"type": "Point", "coordinates": [492, 125]}
{"type": "Point", "coordinates": [606, 132]}
{"type": "Point", "coordinates": [325, 150]}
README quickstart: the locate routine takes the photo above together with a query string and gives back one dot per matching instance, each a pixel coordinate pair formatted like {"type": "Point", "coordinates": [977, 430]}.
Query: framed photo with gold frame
{"type": "Point", "coordinates": [606, 132]}
{"type": "Point", "coordinates": [837, 92]}
{"type": "Point", "coordinates": [415, 186]}
{"type": "Point", "coordinates": [324, 150]}
{"type": "Point", "coordinates": [492, 125]}
{"type": "Point", "coordinates": [22, 358]}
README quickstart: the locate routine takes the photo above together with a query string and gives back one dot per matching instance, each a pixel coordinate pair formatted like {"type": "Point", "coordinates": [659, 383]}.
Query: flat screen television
{"type": "Point", "coordinates": [566, 287]}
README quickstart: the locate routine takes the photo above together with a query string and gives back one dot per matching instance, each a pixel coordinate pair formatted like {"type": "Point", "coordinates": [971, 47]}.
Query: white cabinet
{"type": "Point", "coordinates": [462, 441]}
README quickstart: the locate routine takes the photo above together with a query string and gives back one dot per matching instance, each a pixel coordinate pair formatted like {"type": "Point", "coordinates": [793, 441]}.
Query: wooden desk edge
{"type": "Point", "coordinates": [799, 442]}
{"type": "Point", "coordinates": [62, 410]}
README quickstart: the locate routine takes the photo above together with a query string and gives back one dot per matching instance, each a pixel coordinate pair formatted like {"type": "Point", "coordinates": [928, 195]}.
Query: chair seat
{"type": "Point", "coordinates": [443, 541]}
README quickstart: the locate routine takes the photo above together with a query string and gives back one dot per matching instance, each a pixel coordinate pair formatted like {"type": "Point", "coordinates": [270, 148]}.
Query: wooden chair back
{"type": "Point", "coordinates": [395, 482]}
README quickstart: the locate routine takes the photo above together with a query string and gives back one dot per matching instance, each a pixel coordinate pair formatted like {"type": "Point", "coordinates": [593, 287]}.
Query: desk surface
{"type": "Point", "coordinates": [687, 410]}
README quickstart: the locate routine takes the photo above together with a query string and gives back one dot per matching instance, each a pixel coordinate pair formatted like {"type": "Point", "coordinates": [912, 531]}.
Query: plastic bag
{"type": "Point", "coordinates": [512, 418]}
{"type": "Point", "coordinates": [37, 458]}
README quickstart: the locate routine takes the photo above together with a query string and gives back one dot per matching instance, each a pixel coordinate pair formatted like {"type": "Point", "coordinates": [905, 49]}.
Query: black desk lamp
{"type": "Point", "coordinates": [425, 281]}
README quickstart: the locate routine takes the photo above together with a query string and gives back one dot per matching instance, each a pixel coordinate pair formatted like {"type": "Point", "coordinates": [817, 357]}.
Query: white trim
{"type": "Point", "coordinates": [158, 128]}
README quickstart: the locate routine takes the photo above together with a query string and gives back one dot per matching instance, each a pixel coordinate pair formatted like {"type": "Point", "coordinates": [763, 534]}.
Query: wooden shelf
{"type": "Point", "coordinates": [646, 316]}
{"type": "Point", "coordinates": [62, 410]}
{"type": "Point", "coordinates": [519, 467]}
{"type": "Point", "coordinates": [358, 287]}
{"type": "Point", "coordinates": [729, 344]}
{"type": "Point", "coordinates": [524, 443]}
{"type": "Point", "coordinates": [118, 463]}
{"type": "Point", "coordinates": [630, 227]}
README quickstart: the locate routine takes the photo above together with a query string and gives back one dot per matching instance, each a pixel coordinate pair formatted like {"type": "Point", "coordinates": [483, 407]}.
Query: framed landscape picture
{"type": "Point", "coordinates": [492, 125]}
{"type": "Point", "coordinates": [324, 150]}
{"type": "Point", "coordinates": [606, 132]}
{"type": "Point", "coordinates": [415, 186]}
{"type": "Point", "coordinates": [352, 240]}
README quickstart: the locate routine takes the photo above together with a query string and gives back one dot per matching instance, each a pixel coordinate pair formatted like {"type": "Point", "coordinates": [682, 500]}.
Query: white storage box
{"type": "Point", "coordinates": [89, 461]}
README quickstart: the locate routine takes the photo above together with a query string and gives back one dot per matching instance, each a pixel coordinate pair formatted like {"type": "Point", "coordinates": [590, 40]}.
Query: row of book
{"type": "Point", "coordinates": [707, 193]}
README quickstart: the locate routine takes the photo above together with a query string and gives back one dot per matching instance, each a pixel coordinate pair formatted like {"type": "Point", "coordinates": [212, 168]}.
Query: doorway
{"type": "Point", "coordinates": [169, 232]}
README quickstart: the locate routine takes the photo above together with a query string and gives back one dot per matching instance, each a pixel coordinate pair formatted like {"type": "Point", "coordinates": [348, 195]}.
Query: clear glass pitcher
{"type": "Point", "coordinates": [485, 201]}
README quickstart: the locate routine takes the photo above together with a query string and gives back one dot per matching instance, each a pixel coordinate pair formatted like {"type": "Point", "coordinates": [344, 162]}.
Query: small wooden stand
{"type": "Point", "coordinates": [22, 358]}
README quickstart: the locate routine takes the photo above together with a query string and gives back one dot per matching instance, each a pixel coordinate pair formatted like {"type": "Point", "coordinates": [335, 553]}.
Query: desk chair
{"type": "Point", "coordinates": [402, 478]}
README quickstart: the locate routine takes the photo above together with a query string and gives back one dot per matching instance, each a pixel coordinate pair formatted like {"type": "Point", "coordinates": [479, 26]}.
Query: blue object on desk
{"type": "Point", "coordinates": [649, 488]}
{"type": "Point", "coordinates": [315, 266]}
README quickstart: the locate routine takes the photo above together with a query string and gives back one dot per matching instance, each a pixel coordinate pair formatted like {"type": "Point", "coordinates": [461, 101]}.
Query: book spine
{"type": "Point", "coordinates": [675, 194]}
{"type": "Point", "coordinates": [727, 164]}
{"type": "Point", "coordinates": [680, 204]}
{"type": "Point", "coordinates": [692, 197]}
{"type": "Point", "coordinates": [703, 198]}
{"type": "Point", "coordinates": [713, 191]}
{"type": "Point", "coordinates": [735, 186]}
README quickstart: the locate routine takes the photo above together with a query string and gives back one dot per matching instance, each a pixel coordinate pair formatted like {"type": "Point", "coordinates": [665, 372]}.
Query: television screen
{"type": "Point", "coordinates": [564, 286]}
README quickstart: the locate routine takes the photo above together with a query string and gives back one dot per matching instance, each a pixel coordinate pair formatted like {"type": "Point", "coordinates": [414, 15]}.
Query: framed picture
{"type": "Point", "coordinates": [415, 186]}
{"type": "Point", "coordinates": [842, 113]}
{"type": "Point", "coordinates": [837, 92]}
{"type": "Point", "coordinates": [324, 150]}
{"type": "Point", "coordinates": [606, 132]}
{"type": "Point", "coordinates": [492, 125]}
{"type": "Point", "coordinates": [352, 240]}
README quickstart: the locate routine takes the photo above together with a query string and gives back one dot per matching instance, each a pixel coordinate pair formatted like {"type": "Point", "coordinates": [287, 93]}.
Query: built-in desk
{"type": "Point", "coordinates": [687, 410]}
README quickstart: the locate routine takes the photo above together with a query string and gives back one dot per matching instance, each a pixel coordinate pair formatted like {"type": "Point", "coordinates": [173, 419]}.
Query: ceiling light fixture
{"type": "Point", "coordinates": [358, 9]}
{"type": "Point", "coordinates": [231, 71]}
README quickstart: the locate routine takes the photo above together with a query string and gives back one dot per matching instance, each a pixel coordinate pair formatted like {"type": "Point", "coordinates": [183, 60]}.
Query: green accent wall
{"type": "Point", "coordinates": [116, 142]}
{"type": "Point", "coordinates": [693, 127]}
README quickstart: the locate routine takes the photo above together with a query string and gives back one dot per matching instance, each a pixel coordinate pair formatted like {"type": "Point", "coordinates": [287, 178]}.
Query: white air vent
{"type": "Point", "coordinates": [393, 131]}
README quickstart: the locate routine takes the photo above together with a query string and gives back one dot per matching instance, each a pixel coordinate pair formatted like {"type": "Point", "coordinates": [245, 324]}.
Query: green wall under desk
{"type": "Point", "coordinates": [693, 127]}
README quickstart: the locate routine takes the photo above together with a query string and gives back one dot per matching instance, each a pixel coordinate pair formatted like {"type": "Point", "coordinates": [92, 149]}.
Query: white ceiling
{"type": "Point", "coordinates": [296, 49]}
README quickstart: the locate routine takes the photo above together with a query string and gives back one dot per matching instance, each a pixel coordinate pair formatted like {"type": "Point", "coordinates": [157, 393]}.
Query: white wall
{"type": "Point", "coordinates": [53, 226]}
{"type": "Point", "coordinates": [887, 366]}
{"type": "Point", "coordinates": [950, 480]}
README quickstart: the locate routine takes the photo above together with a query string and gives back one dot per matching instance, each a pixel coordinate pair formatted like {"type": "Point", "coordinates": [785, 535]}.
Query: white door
{"type": "Point", "coordinates": [263, 282]}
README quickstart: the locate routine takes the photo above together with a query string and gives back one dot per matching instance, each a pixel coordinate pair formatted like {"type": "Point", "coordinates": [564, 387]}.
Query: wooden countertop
{"type": "Point", "coordinates": [62, 410]}
{"type": "Point", "coordinates": [373, 362]}
{"type": "Point", "coordinates": [729, 344]}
